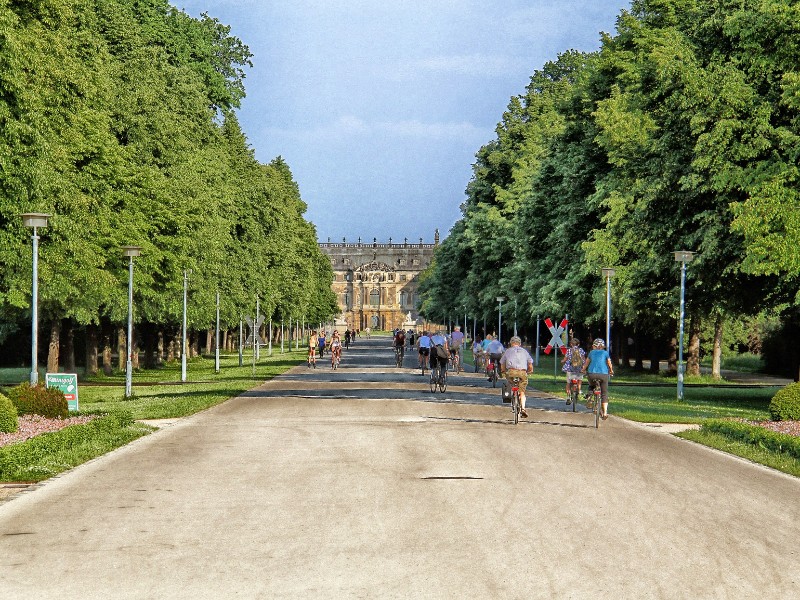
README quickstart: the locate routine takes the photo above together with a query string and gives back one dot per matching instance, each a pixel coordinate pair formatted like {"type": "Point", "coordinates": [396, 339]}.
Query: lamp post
{"type": "Point", "coordinates": [608, 273]}
{"type": "Point", "coordinates": [682, 256]}
{"type": "Point", "coordinates": [216, 340]}
{"type": "Point", "coordinates": [186, 274]}
{"type": "Point", "coordinates": [499, 317]}
{"type": "Point", "coordinates": [515, 317]}
{"type": "Point", "coordinates": [130, 252]}
{"type": "Point", "coordinates": [34, 221]}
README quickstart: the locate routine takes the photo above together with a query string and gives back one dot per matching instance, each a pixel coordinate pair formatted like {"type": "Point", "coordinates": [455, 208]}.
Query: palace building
{"type": "Point", "coordinates": [376, 284]}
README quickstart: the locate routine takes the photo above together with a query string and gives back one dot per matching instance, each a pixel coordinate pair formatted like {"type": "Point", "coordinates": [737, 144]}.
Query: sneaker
{"type": "Point", "coordinates": [523, 414]}
{"type": "Point", "coordinates": [604, 417]}
{"type": "Point", "coordinates": [569, 401]}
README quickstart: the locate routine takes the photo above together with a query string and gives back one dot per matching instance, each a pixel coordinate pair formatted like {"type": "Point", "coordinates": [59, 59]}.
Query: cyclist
{"type": "Point", "coordinates": [336, 347]}
{"type": "Point", "coordinates": [573, 364]}
{"type": "Point", "coordinates": [399, 343]}
{"type": "Point", "coordinates": [457, 342]}
{"type": "Point", "coordinates": [423, 348]}
{"type": "Point", "coordinates": [598, 367]}
{"type": "Point", "coordinates": [438, 339]}
{"type": "Point", "coordinates": [517, 362]}
{"type": "Point", "coordinates": [346, 338]}
{"type": "Point", "coordinates": [312, 349]}
{"type": "Point", "coordinates": [494, 350]}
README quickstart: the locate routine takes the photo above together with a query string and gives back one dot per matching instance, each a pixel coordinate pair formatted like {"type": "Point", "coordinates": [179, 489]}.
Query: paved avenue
{"type": "Point", "coordinates": [360, 483]}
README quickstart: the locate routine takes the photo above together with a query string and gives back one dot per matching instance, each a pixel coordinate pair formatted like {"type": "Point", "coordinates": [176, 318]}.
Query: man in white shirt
{"type": "Point", "coordinates": [517, 362]}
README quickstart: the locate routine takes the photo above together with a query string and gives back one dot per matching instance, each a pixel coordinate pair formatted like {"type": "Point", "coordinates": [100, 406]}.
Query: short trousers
{"type": "Point", "coordinates": [523, 375]}
{"type": "Point", "coordinates": [574, 375]}
{"type": "Point", "coordinates": [425, 351]}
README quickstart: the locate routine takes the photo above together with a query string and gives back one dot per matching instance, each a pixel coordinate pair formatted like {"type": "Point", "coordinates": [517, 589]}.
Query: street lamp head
{"type": "Point", "coordinates": [131, 251]}
{"type": "Point", "coordinates": [683, 256]}
{"type": "Point", "coordinates": [35, 219]}
{"type": "Point", "coordinates": [500, 299]}
{"type": "Point", "coordinates": [608, 272]}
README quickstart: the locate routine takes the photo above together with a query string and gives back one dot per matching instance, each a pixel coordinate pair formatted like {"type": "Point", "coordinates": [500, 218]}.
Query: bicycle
{"type": "Point", "coordinates": [594, 403]}
{"type": "Point", "coordinates": [423, 360]}
{"type": "Point", "coordinates": [455, 362]}
{"type": "Point", "coordinates": [574, 391]}
{"type": "Point", "coordinates": [335, 359]}
{"type": "Point", "coordinates": [479, 362]}
{"type": "Point", "coordinates": [399, 354]}
{"type": "Point", "coordinates": [438, 378]}
{"type": "Point", "coordinates": [491, 369]}
{"type": "Point", "coordinates": [516, 400]}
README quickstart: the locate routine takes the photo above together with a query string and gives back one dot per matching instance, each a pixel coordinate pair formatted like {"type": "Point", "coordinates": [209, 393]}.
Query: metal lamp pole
{"type": "Point", "coordinates": [130, 252]}
{"type": "Point", "coordinates": [35, 220]}
{"type": "Point", "coordinates": [499, 317]}
{"type": "Point", "coordinates": [216, 340]}
{"type": "Point", "coordinates": [515, 316]}
{"type": "Point", "coordinates": [682, 256]}
{"type": "Point", "coordinates": [186, 274]}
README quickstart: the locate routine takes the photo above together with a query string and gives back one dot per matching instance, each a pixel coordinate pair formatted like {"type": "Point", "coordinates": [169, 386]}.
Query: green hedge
{"type": "Point", "coordinates": [785, 404]}
{"type": "Point", "coordinates": [755, 435]}
{"type": "Point", "coordinates": [8, 415]}
{"type": "Point", "coordinates": [51, 453]}
{"type": "Point", "coordinates": [39, 400]}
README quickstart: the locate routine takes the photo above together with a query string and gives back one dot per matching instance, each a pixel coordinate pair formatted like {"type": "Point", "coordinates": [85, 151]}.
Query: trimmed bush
{"type": "Point", "coordinates": [785, 404]}
{"type": "Point", "coordinates": [39, 400]}
{"type": "Point", "coordinates": [755, 435]}
{"type": "Point", "coordinates": [8, 415]}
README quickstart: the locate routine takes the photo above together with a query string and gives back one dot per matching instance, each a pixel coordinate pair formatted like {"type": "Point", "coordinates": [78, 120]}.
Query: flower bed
{"type": "Point", "coordinates": [787, 427]}
{"type": "Point", "coordinates": [32, 425]}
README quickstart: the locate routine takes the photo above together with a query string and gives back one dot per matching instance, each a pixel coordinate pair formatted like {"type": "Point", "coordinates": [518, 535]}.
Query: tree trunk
{"type": "Point", "coordinates": [55, 343]}
{"type": "Point", "coordinates": [672, 361]}
{"type": "Point", "coordinates": [693, 355]}
{"type": "Point", "coordinates": [91, 350]}
{"type": "Point", "coordinates": [638, 362]}
{"type": "Point", "coordinates": [194, 336]}
{"type": "Point", "coordinates": [655, 355]}
{"type": "Point", "coordinates": [716, 361]}
{"type": "Point", "coordinates": [224, 342]}
{"type": "Point", "coordinates": [107, 367]}
{"type": "Point", "coordinates": [160, 348]}
{"type": "Point", "coordinates": [134, 351]}
{"type": "Point", "coordinates": [68, 355]}
{"type": "Point", "coordinates": [624, 347]}
{"type": "Point", "coordinates": [122, 349]}
{"type": "Point", "coordinates": [209, 341]}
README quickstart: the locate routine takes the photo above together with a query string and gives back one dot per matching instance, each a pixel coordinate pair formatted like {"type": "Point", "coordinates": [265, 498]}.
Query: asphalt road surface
{"type": "Point", "coordinates": [361, 483]}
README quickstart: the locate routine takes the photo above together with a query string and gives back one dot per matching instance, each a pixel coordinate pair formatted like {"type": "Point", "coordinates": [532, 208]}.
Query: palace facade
{"type": "Point", "coordinates": [376, 284]}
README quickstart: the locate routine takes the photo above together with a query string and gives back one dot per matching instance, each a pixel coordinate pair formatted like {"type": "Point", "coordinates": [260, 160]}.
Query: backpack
{"type": "Point", "coordinates": [575, 359]}
{"type": "Point", "coordinates": [441, 352]}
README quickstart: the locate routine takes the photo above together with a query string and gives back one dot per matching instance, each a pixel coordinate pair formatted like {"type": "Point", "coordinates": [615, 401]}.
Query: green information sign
{"type": "Point", "coordinates": [67, 383]}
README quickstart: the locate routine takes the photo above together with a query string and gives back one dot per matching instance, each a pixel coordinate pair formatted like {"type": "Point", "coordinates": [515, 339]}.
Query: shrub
{"type": "Point", "coordinates": [39, 400]}
{"type": "Point", "coordinates": [756, 436]}
{"type": "Point", "coordinates": [785, 404]}
{"type": "Point", "coordinates": [8, 415]}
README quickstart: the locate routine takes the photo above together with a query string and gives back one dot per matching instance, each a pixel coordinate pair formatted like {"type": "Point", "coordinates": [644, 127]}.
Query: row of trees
{"type": "Point", "coordinates": [117, 117]}
{"type": "Point", "coordinates": [682, 132]}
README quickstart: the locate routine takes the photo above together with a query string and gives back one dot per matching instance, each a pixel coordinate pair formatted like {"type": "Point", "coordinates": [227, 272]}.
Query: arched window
{"type": "Point", "coordinates": [375, 297]}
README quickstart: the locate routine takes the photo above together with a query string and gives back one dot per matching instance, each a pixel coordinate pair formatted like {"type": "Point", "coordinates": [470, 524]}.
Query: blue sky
{"type": "Point", "coordinates": [379, 107]}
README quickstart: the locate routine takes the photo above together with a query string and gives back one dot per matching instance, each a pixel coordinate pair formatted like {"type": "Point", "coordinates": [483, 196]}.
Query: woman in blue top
{"type": "Point", "coordinates": [599, 368]}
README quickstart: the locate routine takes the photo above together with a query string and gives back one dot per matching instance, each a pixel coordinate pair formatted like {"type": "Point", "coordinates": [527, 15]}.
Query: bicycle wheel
{"type": "Point", "coordinates": [574, 397]}
{"type": "Point", "coordinates": [494, 377]}
{"type": "Point", "coordinates": [597, 410]}
{"type": "Point", "coordinates": [516, 407]}
{"type": "Point", "coordinates": [443, 380]}
{"type": "Point", "coordinates": [433, 381]}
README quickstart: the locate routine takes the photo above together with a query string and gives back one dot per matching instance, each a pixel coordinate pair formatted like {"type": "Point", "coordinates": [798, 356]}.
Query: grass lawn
{"type": "Point", "coordinates": [755, 453]}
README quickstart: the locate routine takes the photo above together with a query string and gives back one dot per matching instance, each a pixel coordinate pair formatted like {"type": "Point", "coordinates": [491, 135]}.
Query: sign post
{"type": "Point", "coordinates": [556, 341]}
{"type": "Point", "coordinates": [67, 383]}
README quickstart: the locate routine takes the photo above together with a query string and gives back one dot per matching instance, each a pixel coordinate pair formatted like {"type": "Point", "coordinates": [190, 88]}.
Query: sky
{"type": "Point", "coordinates": [379, 107]}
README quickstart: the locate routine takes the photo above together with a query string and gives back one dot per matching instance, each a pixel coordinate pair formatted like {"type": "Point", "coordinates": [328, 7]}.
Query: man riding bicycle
{"type": "Point", "coordinates": [457, 342]}
{"type": "Point", "coordinates": [517, 362]}
{"type": "Point", "coordinates": [399, 343]}
{"type": "Point", "coordinates": [439, 340]}
{"type": "Point", "coordinates": [494, 350]}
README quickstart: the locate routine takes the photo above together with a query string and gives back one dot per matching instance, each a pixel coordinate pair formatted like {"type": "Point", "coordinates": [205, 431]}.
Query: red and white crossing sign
{"type": "Point", "coordinates": [556, 341]}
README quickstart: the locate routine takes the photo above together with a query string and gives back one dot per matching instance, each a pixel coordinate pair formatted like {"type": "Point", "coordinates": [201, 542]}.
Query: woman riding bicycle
{"type": "Point", "coordinates": [573, 364]}
{"type": "Point", "coordinates": [336, 348]}
{"type": "Point", "coordinates": [599, 368]}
